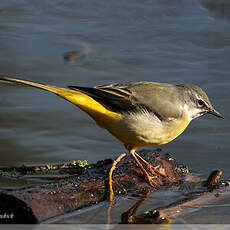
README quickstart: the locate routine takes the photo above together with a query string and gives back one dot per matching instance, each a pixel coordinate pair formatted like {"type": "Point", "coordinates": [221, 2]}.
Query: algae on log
{"type": "Point", "coordinates": [38, 203]}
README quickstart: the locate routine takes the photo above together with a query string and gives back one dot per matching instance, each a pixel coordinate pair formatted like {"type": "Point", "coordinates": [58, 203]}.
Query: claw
{"type": "Point", "coordinates": [152, 170]}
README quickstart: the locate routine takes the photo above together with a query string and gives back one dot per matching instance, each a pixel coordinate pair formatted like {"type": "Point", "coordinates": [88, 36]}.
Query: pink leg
{"type": "Point", "coordinates": [149, 178]}
{"type": "Point", "coordinates": [150, 167]}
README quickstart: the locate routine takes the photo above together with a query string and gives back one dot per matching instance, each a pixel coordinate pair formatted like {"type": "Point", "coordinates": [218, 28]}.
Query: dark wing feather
{"type": "Point", "coordinates": [114, 97]}
{"type": "Point", "coordinates": [109, 98]}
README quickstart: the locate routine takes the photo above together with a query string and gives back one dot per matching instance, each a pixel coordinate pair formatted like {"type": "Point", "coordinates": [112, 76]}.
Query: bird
{"type": "Point", "coordinates": [138, 113]}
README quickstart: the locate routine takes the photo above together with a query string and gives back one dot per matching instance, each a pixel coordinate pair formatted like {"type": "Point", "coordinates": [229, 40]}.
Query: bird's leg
{"type": "Point", "coordinates": [150, 179]}
{"type": "Point", "coordinates": [150, 167]}
{"type": "Point", "coordinates": [110, 177]}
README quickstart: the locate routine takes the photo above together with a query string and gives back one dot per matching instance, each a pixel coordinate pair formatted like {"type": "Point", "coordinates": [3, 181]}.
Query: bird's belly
{"type": "Point", "coordinates": [148, 131]}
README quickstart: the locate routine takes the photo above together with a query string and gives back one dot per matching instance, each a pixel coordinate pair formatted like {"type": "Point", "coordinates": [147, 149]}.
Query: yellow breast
{"type": "Point", "coordinates": [147, 130]}
{"type": "Point", "coordinates": [173, 129]}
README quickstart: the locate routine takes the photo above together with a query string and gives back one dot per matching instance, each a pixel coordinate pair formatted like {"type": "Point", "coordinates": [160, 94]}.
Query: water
{"type": "Point", "coordinates": [166, 41]}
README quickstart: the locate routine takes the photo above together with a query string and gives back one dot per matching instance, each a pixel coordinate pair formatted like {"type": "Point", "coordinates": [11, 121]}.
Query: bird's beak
{"type": "Point", "coordinates": [215, 113]}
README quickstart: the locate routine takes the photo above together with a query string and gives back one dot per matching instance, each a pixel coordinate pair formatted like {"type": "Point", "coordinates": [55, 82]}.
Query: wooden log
{"type": "Point", "coordinates": [38, 203]}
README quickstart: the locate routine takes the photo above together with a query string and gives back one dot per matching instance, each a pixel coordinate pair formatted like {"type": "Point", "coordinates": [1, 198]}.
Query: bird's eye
{"type": "Point", "coordinates": [200, 102]}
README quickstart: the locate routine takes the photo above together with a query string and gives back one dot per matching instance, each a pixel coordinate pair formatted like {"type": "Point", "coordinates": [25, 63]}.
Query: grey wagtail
{"type": "Point", "coordinates": [137, 113]}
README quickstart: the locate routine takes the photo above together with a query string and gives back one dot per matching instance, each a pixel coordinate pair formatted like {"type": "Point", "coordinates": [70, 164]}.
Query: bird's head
{"type": "Point", "coordinates": [197, 102]}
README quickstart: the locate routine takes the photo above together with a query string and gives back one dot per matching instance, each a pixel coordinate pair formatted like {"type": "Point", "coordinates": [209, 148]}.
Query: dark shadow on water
{"type": "Point", "coordinates": [219, 8]}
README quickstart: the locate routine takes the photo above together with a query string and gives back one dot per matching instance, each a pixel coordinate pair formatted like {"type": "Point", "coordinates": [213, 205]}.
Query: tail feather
{"type": "Point", "coordinates": [91, 106]}
{"type": "Point", "coordinates": [50, 88]}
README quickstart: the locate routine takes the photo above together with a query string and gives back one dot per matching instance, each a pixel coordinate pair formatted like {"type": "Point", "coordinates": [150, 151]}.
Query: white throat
{"type": "Point", "coordinates": [192, 112]}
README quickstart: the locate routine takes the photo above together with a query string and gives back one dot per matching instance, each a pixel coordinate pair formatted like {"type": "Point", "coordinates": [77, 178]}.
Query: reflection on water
{"type": "Point", "coordinates": [219, 8]}
{"type": "Point", "coordinates": [166, 41]}
{"type": "Point", "coordinates": [143, 210]}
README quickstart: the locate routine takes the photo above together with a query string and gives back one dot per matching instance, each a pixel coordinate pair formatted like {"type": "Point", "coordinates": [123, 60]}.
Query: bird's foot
{"type": "Point", "coordinates": [153, 170]}
{"type": "Point", "coordinates": [151, 180]}
{"type": "Point", "coordinates": [149, 171]}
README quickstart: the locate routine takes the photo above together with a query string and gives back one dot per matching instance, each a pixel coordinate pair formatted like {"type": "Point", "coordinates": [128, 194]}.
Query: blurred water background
{"type": "Point", "coordinates": [118, 41]}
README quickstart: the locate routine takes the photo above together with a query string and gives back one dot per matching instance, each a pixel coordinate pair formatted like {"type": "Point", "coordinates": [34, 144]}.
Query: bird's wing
{"type": "Point", "coordinates": [158, 98]}
{"type": "Point", "coordinates": [113, 98]}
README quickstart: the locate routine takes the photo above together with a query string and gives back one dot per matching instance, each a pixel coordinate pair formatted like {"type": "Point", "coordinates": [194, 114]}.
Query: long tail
{"type": "Point", "coordinates": [50, 88]}
{"type": "Point", "coordinates": [96, 110]}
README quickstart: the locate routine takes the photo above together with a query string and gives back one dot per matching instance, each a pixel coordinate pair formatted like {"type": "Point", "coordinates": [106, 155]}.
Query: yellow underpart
{"type": "Point", "coordinates": [169, 132]}
{"type": "Point", "coordinates": [174, 129]}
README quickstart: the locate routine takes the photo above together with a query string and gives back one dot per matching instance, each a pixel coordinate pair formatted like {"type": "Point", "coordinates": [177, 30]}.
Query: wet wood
{"type": "Point", "coordinates": [213, 179]}
{"type": "Point", "coordinates": [40, 202]}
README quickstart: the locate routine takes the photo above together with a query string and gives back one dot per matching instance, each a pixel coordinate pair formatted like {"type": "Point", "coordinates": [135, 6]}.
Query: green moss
{"type": "Point", "coordinates": [81, 164]}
